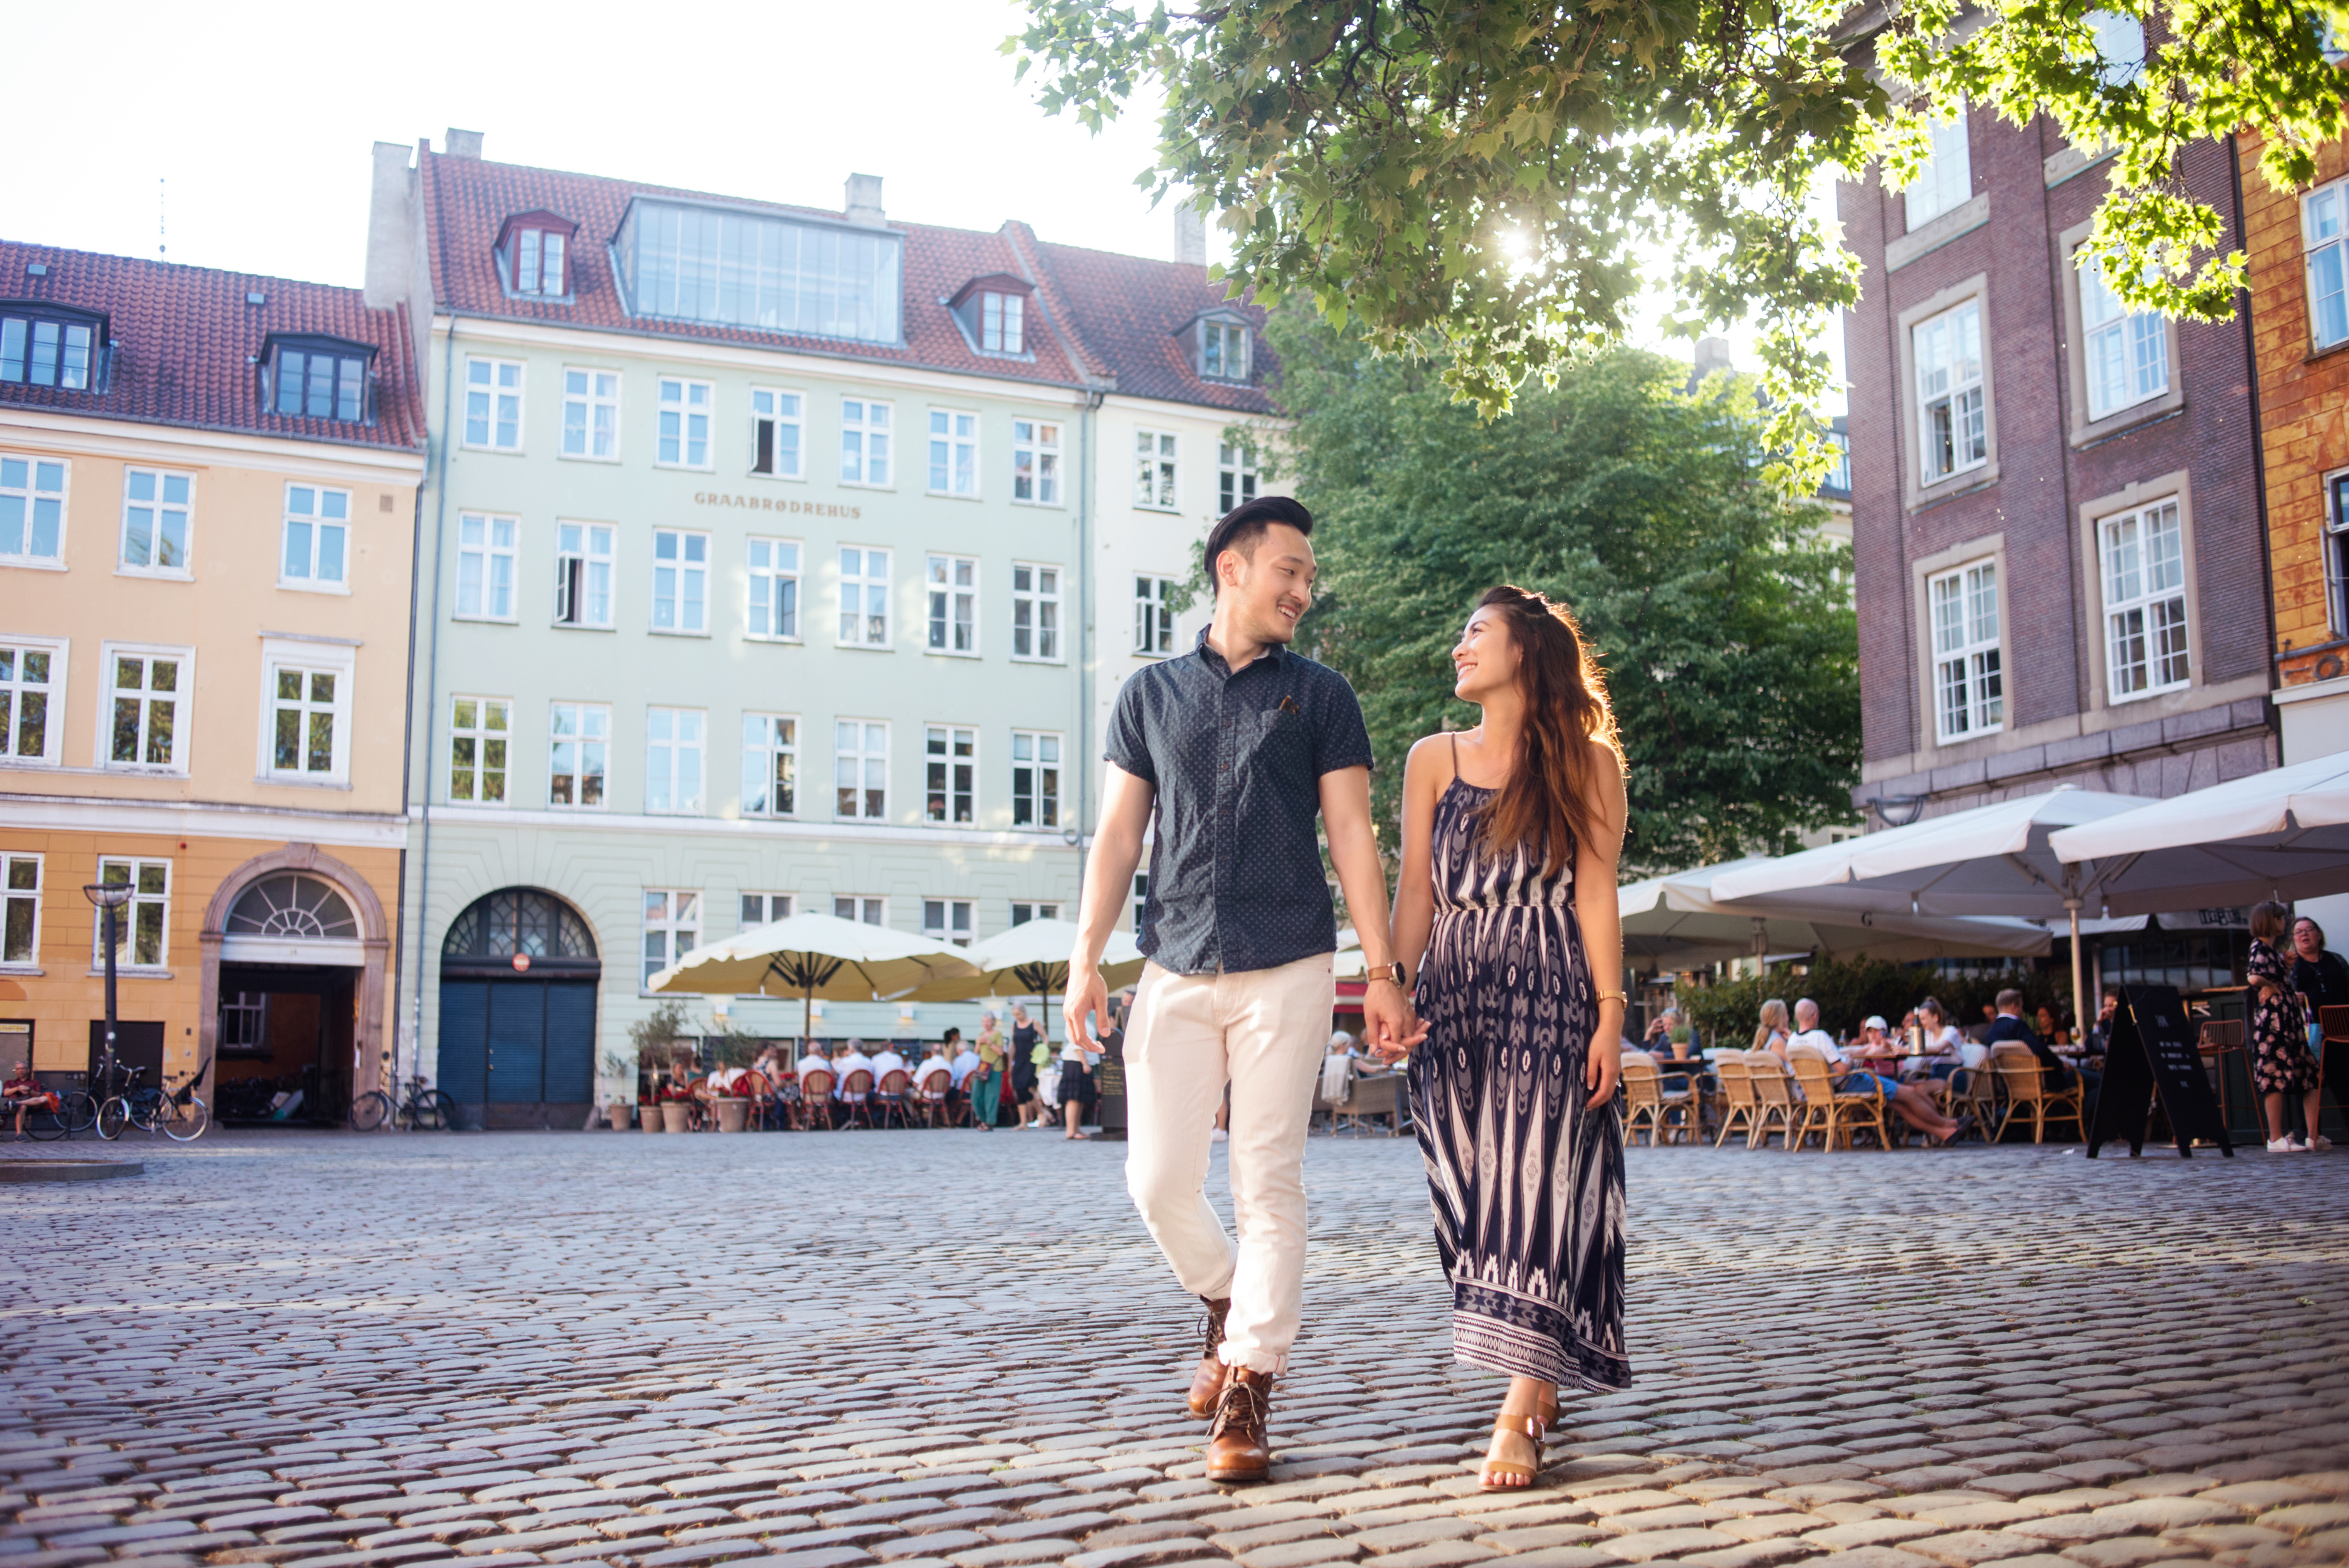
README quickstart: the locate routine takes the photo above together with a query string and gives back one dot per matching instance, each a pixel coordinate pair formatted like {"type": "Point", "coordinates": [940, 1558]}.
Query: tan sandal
{"type": "Point", "coordinates": [1505, 1475]}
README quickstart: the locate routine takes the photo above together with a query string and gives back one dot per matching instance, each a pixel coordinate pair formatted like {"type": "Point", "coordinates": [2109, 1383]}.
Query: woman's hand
{"type": "Point", "coordinates": [1603, 1069]}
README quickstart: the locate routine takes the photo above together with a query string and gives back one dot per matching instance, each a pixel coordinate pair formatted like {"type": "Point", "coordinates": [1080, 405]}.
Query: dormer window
{"type": "Point", "coordinates": [1223, 350]}
{"type": "Point", "coordinates": [43, 347]}
{"type": "Point", "coordinates": [993, 314]}
{"type": "Point", "coordinates": [533, 255]}
{"type": "Point", "coordinates": [316, 378]}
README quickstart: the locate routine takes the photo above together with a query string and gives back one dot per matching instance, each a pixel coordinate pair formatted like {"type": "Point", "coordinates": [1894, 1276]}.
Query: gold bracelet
{"type": "Point", "coordinates": [1612, 996]}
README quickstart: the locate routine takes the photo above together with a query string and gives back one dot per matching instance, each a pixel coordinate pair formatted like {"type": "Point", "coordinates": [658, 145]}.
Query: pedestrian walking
{"type": "Point", "coordinates": [985, 1081]}
{"type": "Point", "coordinates": [2281, 1064]}
{"type": "Point", "coordinates": [1510, 834]}
{"type": "Point", "coordinates": [1235, 748]}
{"type": "Point", "coordinates": [1077, 1084]}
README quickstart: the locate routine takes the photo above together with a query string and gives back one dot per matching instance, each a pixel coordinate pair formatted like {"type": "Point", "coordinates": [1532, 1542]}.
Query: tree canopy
{"type": "Point", "coordinates": [1484, 178]}
{"type": "Point", "coordinates": [1722, 618]}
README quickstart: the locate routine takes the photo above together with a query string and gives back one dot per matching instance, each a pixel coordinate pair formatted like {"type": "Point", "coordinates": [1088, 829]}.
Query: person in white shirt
{"type": "Point", "coordinates": [1906, 1101]}
{"type": "Point", "coordinates": [850, 1060]}
{"type": "Point", "coordinates": [814, 1061]}
{"type": "Point", "coordinates": [888, 1062]}
{"type": "Point", "coordinates": [966, 1062]}
{"type": "Point", "coordinates": [934, 1060]}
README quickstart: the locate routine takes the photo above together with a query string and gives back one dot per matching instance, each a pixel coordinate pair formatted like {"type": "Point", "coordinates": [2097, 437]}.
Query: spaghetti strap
{"type": "Point", "coordinates": [1454, 736]}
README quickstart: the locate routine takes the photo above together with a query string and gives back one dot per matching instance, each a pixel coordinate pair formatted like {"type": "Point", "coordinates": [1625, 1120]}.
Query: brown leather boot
{"type": "Point", "coordinates": [1207, 1382]}
{"type": "Point", "coordinates": [1239, 1444]}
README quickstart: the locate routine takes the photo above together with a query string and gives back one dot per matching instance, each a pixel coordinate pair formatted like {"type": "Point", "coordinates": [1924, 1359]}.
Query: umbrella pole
{"type": "Point", "coordinates": [2079, 992]}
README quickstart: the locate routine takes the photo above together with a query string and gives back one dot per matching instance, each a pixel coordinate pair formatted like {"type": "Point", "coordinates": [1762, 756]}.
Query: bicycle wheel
{"type": "Point", "coordinates": [432, 1111]}
{"type": "Point", "coordinates": [147, 1109]}
{"type": "Point", "coordinates": [44, 1125]}
{"type": "Point", "coordinates": [371, 1111]}
{"type": "Point", "coordinates": [112, 1118]}
{"type": "Point", "coordinates": [185, 1123]}
{"type": "Point", "coordinates": [81, 1112]}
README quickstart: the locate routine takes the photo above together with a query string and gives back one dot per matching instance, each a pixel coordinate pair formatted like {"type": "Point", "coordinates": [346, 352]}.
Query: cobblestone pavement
{"type": "Point", "coordinates": [945, 1350]}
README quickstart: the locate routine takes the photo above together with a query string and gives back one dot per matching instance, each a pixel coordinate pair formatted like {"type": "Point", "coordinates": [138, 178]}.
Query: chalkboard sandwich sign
{"type": "Point", "coordinates": [2151, 1056]}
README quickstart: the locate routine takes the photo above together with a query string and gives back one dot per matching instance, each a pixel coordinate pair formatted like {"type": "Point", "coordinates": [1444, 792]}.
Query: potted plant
{"type": "Point", "coordinates": [651, 1035]}
{"type": "Point", "coordinates": [676, 1107]}
{"type": "Point", "coordinates": [618, 1068]}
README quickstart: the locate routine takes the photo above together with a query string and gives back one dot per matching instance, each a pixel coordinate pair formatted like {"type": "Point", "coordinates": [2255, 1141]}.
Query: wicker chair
{"type": "Point", "coordinates": [754, 1086]}
{"type": "Point", "coordinates": [856, 1099]}
{"type": "Point", "coordinates": [1669, 1114]}
{"type": "Point", "coordinates": [889, 1100]}
{"type": "Point", "coordinates": [1369, 1095]}
{"type": "Point", "coordinates": [2024, 1082]}
{"type": "Point", "coordinates": [930, 1098]}
{"type": "Point", "coordinates": [813, 1111]}
{"type": "Point", "coordinates": [1835, 1117]}
{"type": "Point", "coordinates": [1740, 1106]}
{"type": "Point", "coordinates": [1777, 1097]}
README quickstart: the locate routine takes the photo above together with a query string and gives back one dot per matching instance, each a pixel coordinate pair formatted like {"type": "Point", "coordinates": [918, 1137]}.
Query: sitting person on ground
{"type": "Point", "coordinates": [1911, 1103]}
{"type": "Point", "coordinates": [24, 1093]}
{"type": "Point", "coordinates": [2056, 1072]}
{"type": "Point", "coordinates": [1775, 1029]}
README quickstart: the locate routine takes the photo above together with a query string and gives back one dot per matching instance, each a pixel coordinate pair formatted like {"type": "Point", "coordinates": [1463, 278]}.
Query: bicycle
{"type": "Point", "coordinates": [424, 1110]}
{"type": "Point", "coordinates": [180, 1115]}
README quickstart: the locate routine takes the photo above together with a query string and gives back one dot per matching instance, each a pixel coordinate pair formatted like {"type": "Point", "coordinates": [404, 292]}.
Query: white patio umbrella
{"type": "Point", "coordinates": [1992, 860]}
{"type": "Point", "coordinates": [2280, 834]}
{"type": "Point", "coordinates": [1675, 917]}
{"type": "Point", "coordinates": [1031, 959]}
{"type": "Point", "coordinates": [813, 955]}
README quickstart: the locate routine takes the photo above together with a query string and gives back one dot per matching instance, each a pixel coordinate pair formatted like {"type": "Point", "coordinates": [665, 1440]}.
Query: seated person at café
{"type": "Point", "coordinates": [888, 1060]}
{"type": "Point", "coordinates": [2319, 975]}
{"type": "Point", "coordinates": [851, 1059]}
{"type": "Point", "coordinates": [1668, 1037]}
{"type": "Point", "coordinates": [818, 1058]}
{"type": "Point", "coordinates": [1948, 1052]}
{"type": "Point", "coordinates": [770, 1065]}
{"type": "Point", "coordinates": [1909, 1102]}
{"type": "Point", "coordinates": [962, 1058]}
{"type": "Point", "coordinates": [2100, 1032]}
{"type": "Point", "coordinates": [2051, 1029]}
{"type": "Point", "coordinates": [1876, 1048]}
{"type": "Point", "coordinates": [939, 1056]}
{"type": "Point", "coordinates": [24, 1093]}
{"type": "Point", "coordinates": [2057, 1074]}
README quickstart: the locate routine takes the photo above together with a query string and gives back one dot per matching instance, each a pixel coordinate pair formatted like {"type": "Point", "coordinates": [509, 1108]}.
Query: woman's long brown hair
{"type": "Point", "coordinates": [1547, 801]}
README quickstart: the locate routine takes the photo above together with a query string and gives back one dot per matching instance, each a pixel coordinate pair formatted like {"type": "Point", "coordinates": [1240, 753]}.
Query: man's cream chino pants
{"type": "Point", "coordinates": [1263, 1031]}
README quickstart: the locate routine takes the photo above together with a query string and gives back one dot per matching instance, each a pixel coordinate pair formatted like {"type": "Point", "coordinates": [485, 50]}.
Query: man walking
{"type": "Point", "coordinates": [1236, 747]}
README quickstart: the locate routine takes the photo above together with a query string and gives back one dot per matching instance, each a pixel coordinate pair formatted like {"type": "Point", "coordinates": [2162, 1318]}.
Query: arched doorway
{"type": "Point", "coordinates": [295, 950]}
{"type": "Point", "coordinates": [518, 978]}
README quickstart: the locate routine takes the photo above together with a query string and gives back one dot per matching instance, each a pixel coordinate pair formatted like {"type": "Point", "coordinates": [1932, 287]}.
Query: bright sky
{"type": "Point", "coordinates": [257, 119]}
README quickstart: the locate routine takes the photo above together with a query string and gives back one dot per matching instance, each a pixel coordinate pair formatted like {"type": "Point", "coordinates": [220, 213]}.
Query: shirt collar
{"type": "Point", "coordinates": [1274, 653]}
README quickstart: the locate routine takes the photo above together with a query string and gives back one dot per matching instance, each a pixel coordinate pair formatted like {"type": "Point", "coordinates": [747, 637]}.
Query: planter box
{"type": "Point", "coordinates": [733, 1113]}
{"type": "Point", "coordinates": [618, 1112]}
{"type": "Point", "coordinates": [677, 1115]}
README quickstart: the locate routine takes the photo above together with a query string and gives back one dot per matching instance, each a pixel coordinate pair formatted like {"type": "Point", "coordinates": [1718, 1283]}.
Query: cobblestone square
{"type": "Point", "coordinates": [947, 1350]}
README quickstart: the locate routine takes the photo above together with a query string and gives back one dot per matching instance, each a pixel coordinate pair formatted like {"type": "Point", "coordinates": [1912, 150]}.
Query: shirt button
{"type": "Point", "coordinates": [1226, 767]}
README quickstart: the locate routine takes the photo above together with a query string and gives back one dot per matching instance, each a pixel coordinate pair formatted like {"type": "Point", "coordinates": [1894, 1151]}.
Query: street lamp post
{"type": "Point", "coordinates": [109, 897]}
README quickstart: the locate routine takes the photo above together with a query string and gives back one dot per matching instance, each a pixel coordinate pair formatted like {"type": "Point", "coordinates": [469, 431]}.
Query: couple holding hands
{"type": "Point", "coordinates": [1501, 979]}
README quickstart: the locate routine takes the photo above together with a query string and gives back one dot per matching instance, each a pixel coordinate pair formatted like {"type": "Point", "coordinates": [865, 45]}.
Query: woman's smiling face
{"type": "Point", "coordinates": [1485, 658]}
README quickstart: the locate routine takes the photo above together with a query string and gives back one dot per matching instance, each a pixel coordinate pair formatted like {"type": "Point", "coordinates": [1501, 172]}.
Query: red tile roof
{"type": "Point", "coordinates": [1114, 315]}
{"type": "Point", "coordinates": [187, 344]}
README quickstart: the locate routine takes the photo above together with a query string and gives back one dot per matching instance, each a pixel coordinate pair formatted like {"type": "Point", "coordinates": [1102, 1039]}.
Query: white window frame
{"type": "Point", "coordinates": [772, 566]}
{"type": "Point", "coordinates": [865, 453]}
{"type": "Point", "coordinates": [684, 424]}
{"type": "Point", "coordinates": [285, 655]}
{"type": "Point", "coordinates": [481, 734]}
{"type": "Point", "coordinates": [1002, 323]}
{"type": "Point", "coordinates": [677, 761]}
{"type": "Point", "coordinates": [770, 908]}
{"type": "Point", "coordinates": [493, 404]}
{"type": "Point", "coordinates": [597, 395]}
{"type": "Point", "coordinates": [856, 629]}
{"type": "Point", "coordinates": [1158, 469]}
{"type": "Point", "coordinates": [1040, 602]}
{"type": "Point", "coordinates": [30, 495]}
{"type": "Point", "coordinates": [1983, 657]}
{"type": "Point", "coordinates": [953, 453]}
{"type": "Point", "coordinates": [1236, 480]}
{"type": "Point", "coordinates": [126, 928]}
{"type": "Point", "coordinates": [1946, 182]}
{"type": "Point", "coordinates": [591, 726]}
{"type": "Point", "coordinates": [950, 775]}
{"type": "Point", "coordinates": [784, 410]}
{"type": "Point", "coordinates": [949, 920]}
{"type": "Point", "coordinates": [1036, 462]}
{"type": "Point", "coordinates": [52, 691]}
{"type": "Point", "coordinates": [2133, 329]}
{"type": "Point", "coordinates": [2324, 244]}
{"type": "Point", "coordinates": [583, 551]}
{"type": "Point", "coordinates": [680, 577]}
{"type": "Point", "coordinates": [950, 598]}
{"type": "Point", "coordinates": [14, 897]}
{"type": "Point", "coordinates": [2336, 550]}
{"type": "Point", "coordinates": [159, 506]}
{"type": "Point", "coordinates": [2151, 586]}
{"type": "Point", "coordinates": [1154, 616]}
{"type": "Point", "coordinates": [1025, 909]}
{"type": "Point", "coordinates": [860, 907]}
{"type": "Point", "coordinates": [770, 763]}
{"type": "Point", "coordinates": [318, 521]}
{"type": "Point", "coordinates": [1963, 414]}
{"type": "Point", "coordinates": [1037, 778]}
{"type": "Point", "coordinates": [676, 920]}
{"type": "Point", "coordinates": [856, 760]}
{"type": "Point", "coordinates": [489, 546]}
{"type": "Point", "coordinates": [1224, 336]}
{"type": "Point", "coordinates": [183, 699]}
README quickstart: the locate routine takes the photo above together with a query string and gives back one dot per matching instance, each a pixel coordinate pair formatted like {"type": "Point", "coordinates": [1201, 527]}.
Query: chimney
{"type": "Point", "coordinates": [463, 143]}
{"type": "Point", "coordinates": [1712, 355]}
{"type": "Point", "coordinates": [389, 237]}
{"type": "Point", "coordinates": [1190, 236]}
{"type": "Point", "coordinates": [863, 200]}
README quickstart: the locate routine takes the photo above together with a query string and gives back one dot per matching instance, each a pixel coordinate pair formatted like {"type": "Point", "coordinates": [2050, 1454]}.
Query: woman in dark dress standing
{"type": "Point", "coordinates": [1510, 837]}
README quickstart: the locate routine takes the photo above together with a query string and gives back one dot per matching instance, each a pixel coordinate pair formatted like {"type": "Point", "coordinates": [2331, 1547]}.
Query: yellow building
{"type": "Point", "coordinates": [208, 491]}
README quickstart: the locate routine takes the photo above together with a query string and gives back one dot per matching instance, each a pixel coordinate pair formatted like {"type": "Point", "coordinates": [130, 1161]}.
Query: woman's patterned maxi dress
{"type": "Point", "coordinates": [1527, 1186]}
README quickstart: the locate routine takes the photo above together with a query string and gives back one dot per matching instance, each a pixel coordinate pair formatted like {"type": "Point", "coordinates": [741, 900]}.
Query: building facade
{"type": "Point", "coordinates": [208, 487]}
{"type": "Point", "coordinates": [2056, 509]}
{"type": "Point", "coordinates": [773, 560]}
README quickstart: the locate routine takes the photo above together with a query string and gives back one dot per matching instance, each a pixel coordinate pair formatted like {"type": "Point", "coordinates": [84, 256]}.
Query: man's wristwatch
{"type": "Point", "coordinates": [1395, 972]}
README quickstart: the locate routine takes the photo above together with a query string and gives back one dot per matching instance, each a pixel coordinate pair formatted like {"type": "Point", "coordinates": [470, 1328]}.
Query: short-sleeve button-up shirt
{"type": "Point", "coordinates": [1235, 758]}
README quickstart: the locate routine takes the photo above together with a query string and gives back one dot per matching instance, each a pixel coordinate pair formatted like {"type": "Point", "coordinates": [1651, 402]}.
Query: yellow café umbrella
{"type": "Point", "coordinates": [813, 955]}
{"type": "Point", "coordinates": [1031, 959]}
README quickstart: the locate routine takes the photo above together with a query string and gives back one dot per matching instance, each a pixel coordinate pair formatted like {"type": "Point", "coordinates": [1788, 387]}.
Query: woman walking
{"type": "Point", "coordinates": [994, 1060]}
{"type": "Point", "coordinates": [2281, 1065]}
{"type": "Point", "coordinates": [1510, 837]}
{"type": "Point", "coordinates": [1026, 1062]}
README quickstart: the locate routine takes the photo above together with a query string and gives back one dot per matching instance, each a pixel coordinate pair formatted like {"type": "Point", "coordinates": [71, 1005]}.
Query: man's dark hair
{"type": "Point", "coordinates": [1243, 525]}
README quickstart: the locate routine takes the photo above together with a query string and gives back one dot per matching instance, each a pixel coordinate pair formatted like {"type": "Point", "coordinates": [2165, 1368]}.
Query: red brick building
{"type": "Point", "coordinates": [2056, 511]}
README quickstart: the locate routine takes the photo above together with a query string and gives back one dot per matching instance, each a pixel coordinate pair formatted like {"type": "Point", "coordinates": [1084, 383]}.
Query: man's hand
{"type": "Point", "coordinates": [1088, 996]}
{"type": "Point", "coordinates": [1388, 1020]}
{"type": "Point", "coordinates": [1604, 1067]}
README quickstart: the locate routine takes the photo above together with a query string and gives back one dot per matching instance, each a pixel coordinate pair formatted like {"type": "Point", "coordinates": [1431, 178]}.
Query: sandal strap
{"type": "Point", "coordinates": [1530, 1426]}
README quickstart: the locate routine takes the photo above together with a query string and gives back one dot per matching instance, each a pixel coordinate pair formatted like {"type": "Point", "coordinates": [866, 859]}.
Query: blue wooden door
{"type": "Point", "coordinates": [570, 1042]}
{"type": "Point", "coordinates": [465, 1068]}
{"type": "Point", "coordinates": [517, 1042]}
